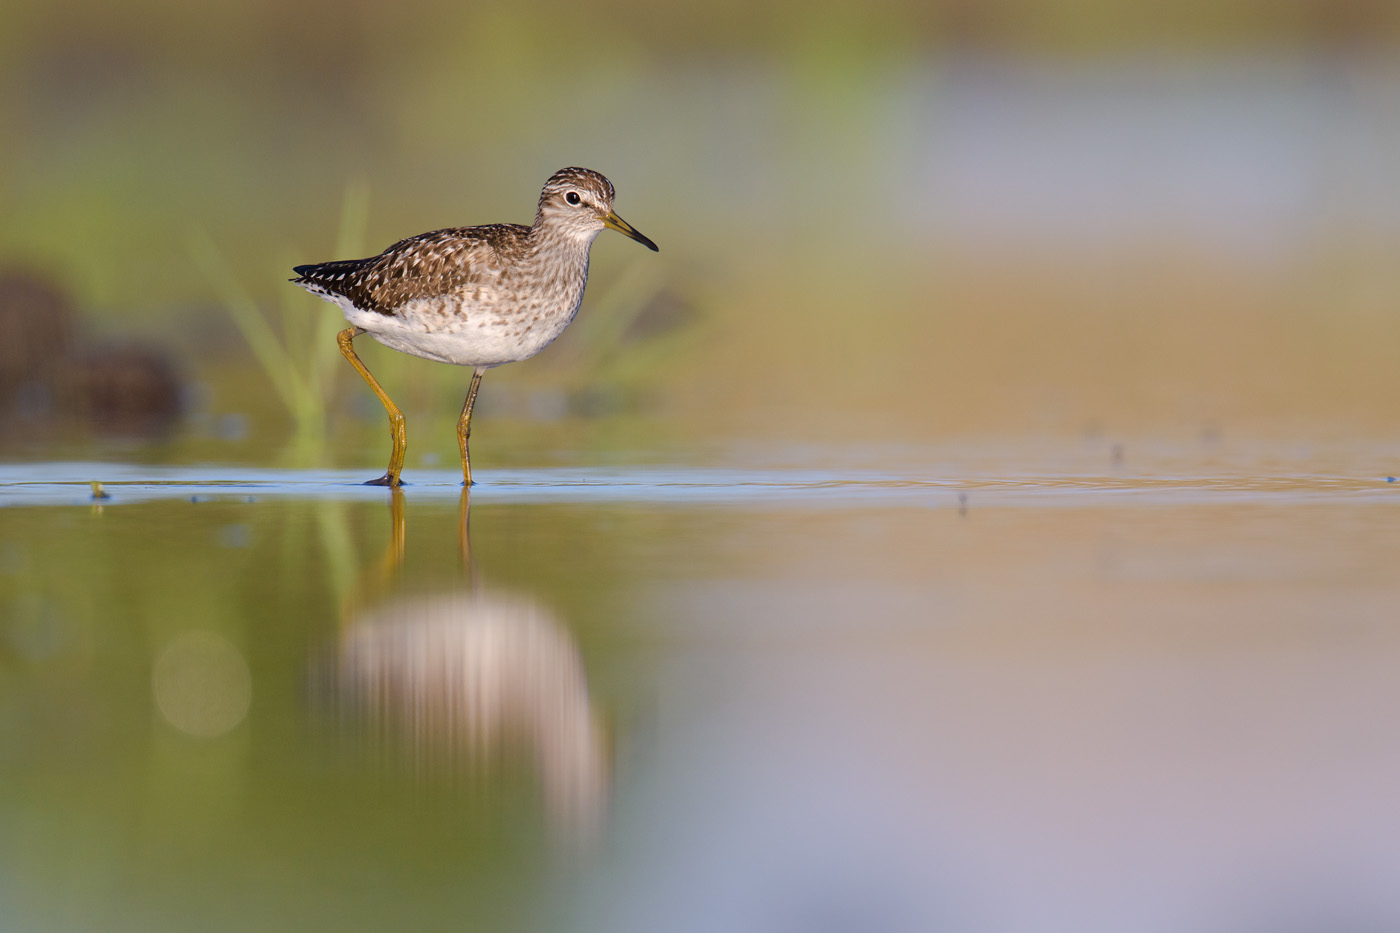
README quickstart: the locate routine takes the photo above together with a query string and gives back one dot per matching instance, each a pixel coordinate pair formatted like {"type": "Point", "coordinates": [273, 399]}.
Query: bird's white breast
{"type": "Point", "coordinates": [467, 333]}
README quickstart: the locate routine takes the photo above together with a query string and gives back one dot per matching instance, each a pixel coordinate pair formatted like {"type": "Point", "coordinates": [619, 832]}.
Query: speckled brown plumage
{"type": "Point", "coordinates": [442, 262]}
{"type": "Point", "coordinates": [474, 296]}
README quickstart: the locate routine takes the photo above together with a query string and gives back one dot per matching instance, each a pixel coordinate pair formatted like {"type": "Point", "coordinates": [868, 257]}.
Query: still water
{"type": "Point", "coordinates": [699, 700]}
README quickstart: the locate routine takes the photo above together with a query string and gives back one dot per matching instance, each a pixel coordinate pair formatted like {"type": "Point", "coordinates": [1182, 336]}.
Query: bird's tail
{"type": "Point", "coordinates": [327, 273]}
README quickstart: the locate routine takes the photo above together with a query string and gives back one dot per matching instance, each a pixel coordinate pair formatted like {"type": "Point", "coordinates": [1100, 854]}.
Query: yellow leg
{"type": "Point", "coordinates": [464, 427]}
{"type": "Point", "coordinates": [396, 422]}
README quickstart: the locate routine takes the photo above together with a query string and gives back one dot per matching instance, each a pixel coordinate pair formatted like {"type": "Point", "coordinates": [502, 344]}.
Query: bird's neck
{"type": "Point", "coordinates": [561, 245]}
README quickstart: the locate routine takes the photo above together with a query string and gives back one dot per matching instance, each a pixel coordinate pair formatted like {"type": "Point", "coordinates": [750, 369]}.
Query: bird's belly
{"type": "Point", "coordinates": [465, 334]}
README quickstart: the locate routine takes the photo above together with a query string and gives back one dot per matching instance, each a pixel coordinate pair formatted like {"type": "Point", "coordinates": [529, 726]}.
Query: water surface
{"type": "Point", "coordinates": [1116, 698]}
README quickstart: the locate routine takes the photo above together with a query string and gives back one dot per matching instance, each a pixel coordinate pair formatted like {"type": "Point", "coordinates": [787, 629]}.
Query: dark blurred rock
{"type": "Point", "coordinates": [49, 374]}
{"type": "Point", "coordinates": [37, 332]}
{"type": "Point", "coordinates": [125, 389]}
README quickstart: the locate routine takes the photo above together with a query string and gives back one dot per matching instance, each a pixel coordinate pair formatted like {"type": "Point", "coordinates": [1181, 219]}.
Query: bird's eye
{"type": "Point", "coordinates": [572, 197]}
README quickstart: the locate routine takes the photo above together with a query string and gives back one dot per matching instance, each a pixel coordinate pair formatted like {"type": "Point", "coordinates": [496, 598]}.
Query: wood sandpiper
{"type": "Point", "coordinates": [472, 296]}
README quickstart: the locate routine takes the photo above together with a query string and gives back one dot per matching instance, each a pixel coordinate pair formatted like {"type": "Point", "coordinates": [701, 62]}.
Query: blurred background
{"type": "Point", "coordinates": [1081, 312]}
{"type": "Point", "coordinates": [887, 221]}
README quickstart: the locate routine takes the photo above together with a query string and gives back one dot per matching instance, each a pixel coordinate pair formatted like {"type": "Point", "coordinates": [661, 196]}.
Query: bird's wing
{"type": "Point", "coordinates": [423, 266]}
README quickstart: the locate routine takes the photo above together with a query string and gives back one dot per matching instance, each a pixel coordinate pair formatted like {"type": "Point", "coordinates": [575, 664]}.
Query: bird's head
{"type": "Point", "coordinates": [581, 200]}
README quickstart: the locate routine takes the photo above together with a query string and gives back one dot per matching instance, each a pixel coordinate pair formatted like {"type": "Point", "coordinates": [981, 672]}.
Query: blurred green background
{"type": "Point", "coordinates": [880, 222]}
{"type": "Point", "coordinates": [1018, 234]}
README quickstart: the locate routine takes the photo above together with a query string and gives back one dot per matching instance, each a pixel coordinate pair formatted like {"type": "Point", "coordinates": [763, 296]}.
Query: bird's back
{"type": "Point", "coordinates": [430, 265]}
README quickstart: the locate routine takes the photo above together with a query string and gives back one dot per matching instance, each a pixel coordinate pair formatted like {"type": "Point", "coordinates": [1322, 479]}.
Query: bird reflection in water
{"type": "Point", "coordinates": [458, 680]}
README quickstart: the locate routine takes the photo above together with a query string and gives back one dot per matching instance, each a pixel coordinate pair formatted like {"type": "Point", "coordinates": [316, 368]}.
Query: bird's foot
{"type": "Point", "coordinates": [386, 480]}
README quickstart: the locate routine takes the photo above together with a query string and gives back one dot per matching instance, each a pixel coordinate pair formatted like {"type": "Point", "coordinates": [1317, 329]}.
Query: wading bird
{"type": "Point", "coordinates": [472, 296]}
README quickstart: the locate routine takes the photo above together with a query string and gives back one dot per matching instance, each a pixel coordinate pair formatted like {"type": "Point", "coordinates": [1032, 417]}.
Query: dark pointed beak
{"type": "Point", "coordinates": [614, 222]}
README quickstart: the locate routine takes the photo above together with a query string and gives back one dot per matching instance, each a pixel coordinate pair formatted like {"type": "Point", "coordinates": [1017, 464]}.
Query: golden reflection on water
{"type": "Point", "coordinates": [456, 680]}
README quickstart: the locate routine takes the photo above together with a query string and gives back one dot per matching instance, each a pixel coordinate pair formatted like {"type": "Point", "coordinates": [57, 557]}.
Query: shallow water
{"type": "Point", "coordinates": [1088, 696]}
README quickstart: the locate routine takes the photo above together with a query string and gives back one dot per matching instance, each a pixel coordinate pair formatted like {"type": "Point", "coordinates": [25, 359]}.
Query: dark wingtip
{"type": "Point", "coordinates": [303, 270]}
